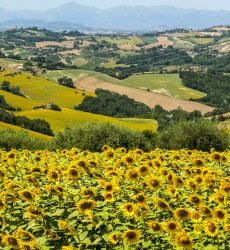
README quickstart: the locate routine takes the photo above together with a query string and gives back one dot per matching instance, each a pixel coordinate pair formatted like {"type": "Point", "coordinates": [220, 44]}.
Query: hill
{"type": "Point", "coordinates": [70, 118]}
{"type": "Point", "coordinates": [129, 18]}
{"type": "Point", "coordinates": [164, 90]}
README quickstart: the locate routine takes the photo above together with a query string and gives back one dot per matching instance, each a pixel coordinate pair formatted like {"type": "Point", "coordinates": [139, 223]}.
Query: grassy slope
{"type": "Point", "coordinates": [44, 91]}
{"type": "Point", "coordinates": [69, 117]}
{"type": "Point", "coordinates": [170, 82]}
{"type": "Point", "coordinates": [4, 126]}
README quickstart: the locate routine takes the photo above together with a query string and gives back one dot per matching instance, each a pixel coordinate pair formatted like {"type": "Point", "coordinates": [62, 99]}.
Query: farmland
{"type": "Point", "coordinates": [115, 199]}
{"type": "Point", "coordinates": [70, 118]}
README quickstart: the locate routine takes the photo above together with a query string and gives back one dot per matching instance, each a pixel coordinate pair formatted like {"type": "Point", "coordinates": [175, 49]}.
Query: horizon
{"type": "Point", "coordinates": [103, 4]}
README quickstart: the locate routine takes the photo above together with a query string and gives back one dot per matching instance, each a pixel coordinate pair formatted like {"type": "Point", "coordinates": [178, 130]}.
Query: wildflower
{"type": "Point", "coordinates": [132, 174]}
{"type": "Point", "coordinates": [10, 241]}
{"type": "Point", "coordinates": [220, 214]}
{"type": "Point", "coordinates": [73, 174]}
{"type": "Point", "coordinates": [26, 195]}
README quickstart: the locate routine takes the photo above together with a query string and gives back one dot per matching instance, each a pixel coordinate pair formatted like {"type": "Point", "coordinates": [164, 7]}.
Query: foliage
{"type": "Point", "coordinates": [6, 86]}
{"type": "Point", "coordinates": [75, 199]}
{"type": "Point", "coordinates": [200, 135]}
{"type": "Point", "coordinates": [37, 125]}
{"type": "Point", "coordinates": [21, 140]}
{"type": "Point", "coordinates": [216, 85]}
{"type": "Point", "coordinates": [115, 105]}
{"type": "Point", "coordinates": [5, 105]}
{"type": "Point", "coordinates": [50, 106]}
{"type": "Point", "coordinates": [66, 81]}
{"type": "Point", "coordinates": [92, 136]}
{"type": "Point", "coordinates": [166, 118]}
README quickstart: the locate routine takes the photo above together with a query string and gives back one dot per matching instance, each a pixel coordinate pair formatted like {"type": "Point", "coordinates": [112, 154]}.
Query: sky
{"type": "Point", "coordinates": [48, 4]}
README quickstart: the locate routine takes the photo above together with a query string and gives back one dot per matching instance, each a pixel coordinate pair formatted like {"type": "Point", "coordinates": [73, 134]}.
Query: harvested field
{"type": "Point", "coordinates": [151, 99]}
{"type": "Point", "coordinates": [162, 40]}
{"type": "Point", "coordinates": [70, 52]}
{"type": "Point", "coordinates": [64, 44]}
{"type": "Point", "coordinates": [129, 47]}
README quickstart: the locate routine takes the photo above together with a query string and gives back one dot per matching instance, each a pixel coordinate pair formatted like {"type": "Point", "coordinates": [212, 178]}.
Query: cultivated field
{"type": "Point", "coordinates": [75, 199]}
{"type": "Point", "coordinates": [70, 118]}
{"type": "Point", "coordinates": [43, 91]}
{"type": "Point", "coordinates": [64, 44]}
{"type": "Point", "coordinates": [149, 98]}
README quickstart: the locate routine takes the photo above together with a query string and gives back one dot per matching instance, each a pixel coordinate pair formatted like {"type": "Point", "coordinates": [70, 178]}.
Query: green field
{"type": "Point", "coordinates": [199, 40]}
{"type": "Point", "coordinates": [43, 91]}
{"type": "Point", "coordinates": [112, 64]}
{"type": "Point", "coordinates": [166, 83]}
{"type": "Point", "coordinates": [70, 118]}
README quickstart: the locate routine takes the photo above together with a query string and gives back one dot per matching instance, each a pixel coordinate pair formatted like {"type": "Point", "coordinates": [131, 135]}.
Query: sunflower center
{"type": "Point", "coordinates": [212, 227]}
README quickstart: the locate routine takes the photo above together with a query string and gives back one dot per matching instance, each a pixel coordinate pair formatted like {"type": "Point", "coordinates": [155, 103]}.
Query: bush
{"type": "Point", "coordinates": [92, 136]}
{"type": "Point", "coordinates": [20, 140]}
{"type": "Point", "coordinates": [201, 135]}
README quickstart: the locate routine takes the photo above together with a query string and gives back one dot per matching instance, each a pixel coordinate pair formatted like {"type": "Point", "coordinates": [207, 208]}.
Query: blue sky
{"type": "Point", "coordinates": [46, 4]}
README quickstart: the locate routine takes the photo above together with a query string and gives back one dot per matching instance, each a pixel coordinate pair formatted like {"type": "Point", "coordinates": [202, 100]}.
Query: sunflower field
{"type": "Point", "coordinates": [117, 199]}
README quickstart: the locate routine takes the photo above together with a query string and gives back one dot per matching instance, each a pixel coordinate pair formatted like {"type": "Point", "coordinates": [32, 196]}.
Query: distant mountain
{"type": "Point", "coordinates": [123, 17]}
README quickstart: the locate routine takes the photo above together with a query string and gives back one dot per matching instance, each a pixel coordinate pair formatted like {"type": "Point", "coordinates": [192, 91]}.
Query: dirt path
{"type": "Point", "coordinates": [149, 98]}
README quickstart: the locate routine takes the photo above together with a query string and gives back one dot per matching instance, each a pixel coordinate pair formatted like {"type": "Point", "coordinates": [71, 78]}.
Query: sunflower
{"type": "Point", "coordinates": [68, 248]}
{"type": "Point", "coordinates": [109, 197]}
{"type": "Point", "coordinates": [129, 209]}
{"type": "Point", "coordinates": [24, 235]}
{"type": "Point", "coordinates": [72, 174]}
{"type": "Point", "coordinates": [196, 216]}
{"type": "Point", "coordinates": [225, 187]}
{"type": "Point", "coordinates": [154, 183]}
{"type": "Point", "coordinates": [109, 187]}
{"type": "Point", "coordinates": [63, 225]}
{"type": "Point", "coordinates": [216, 156]}
{"type": "Point", "coordinates": [210, 228]}
{"type": "Point", "coordinates": [220, 214]}
{"type": "Point", "coordinates": [10, 241]}
{"type": "Point", "coordinates": [155, 226]}
{"type": "Point", "coordinates": [109, 153]}
{"type": "Point", "coordinates": [161, 204]}
{"type": "Point", "coordinates": [192, 184]}
{"type": "Point", "coordinates": [131, 236]}
{"type": "Point", "coordinates": [114, 238]}
{"type": "Point", "coordinates": [144, 170]}
{"type": "Point", "coordinates": [105, 147]}
{"type": "Point", "coordinates": [227, 228]}
{"type": "Point", "coordinates": [140, 198]}
{"type": "Point", "coordinates": [2, 175]}
{"type": "Point", "coordinates": [132, 174]}
{"type": "Point", "coordinates": [219, 198]}
{"type": "Point", "coordinates": [205, 210]}
{"type": "Point", "coordinates": [183, 240]}
{"type": "Point", "coordinates": [26, 195]}
{"type": "Point", "coordinates": [53, 174]}
{"type": "Point", "coordinates": [195, 199]}
{"type": "Point", "coordinates": [85, 205]}
{"type": "Point", "coordinates": [88, 193]}
{"type": "Point", "coordinates": [177, 181]}
{"type": "Point", "coordinates": [171, 227]}
{"type": "Point", "coordinates": [182, 214]}
{"type": "Point", "coordinates": [129, 160]}
{"type": "Point", "coordinates": [2, 204]}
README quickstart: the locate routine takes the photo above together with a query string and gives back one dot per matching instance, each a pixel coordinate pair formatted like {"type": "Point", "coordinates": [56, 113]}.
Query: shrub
{"type": "Point", "coordinates": [92, 136]}
{"type": "Point", "coordinates": [201, 135]}
{"type": "Point", "coordinates": [21, 140]}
